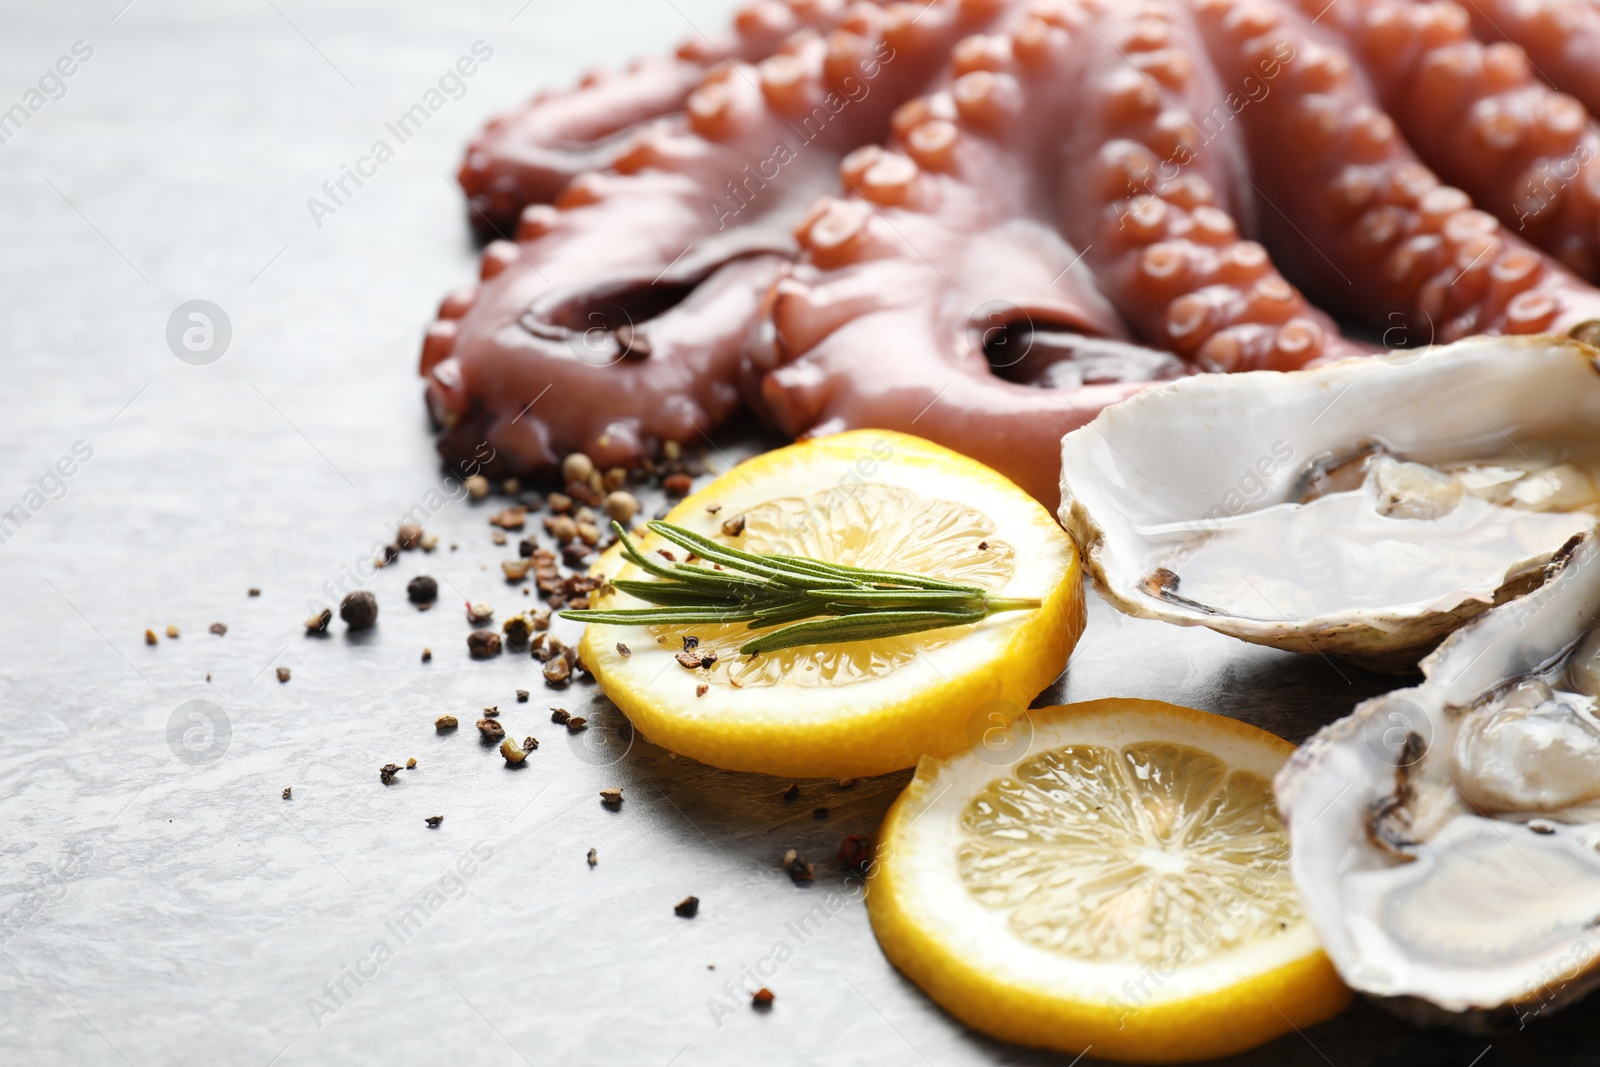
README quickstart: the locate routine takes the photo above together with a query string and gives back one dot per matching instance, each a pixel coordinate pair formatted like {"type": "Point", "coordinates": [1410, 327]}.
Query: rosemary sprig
{"type": "Point", "coordinates": [794, 599]}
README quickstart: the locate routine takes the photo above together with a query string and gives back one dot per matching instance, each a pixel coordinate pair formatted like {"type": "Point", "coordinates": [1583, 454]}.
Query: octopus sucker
{"type": "Point", "coordinates": [981, 221]}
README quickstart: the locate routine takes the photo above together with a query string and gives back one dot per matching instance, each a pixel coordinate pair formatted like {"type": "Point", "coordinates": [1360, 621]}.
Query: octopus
{"type": "Point", "coordinates": [983, 221]}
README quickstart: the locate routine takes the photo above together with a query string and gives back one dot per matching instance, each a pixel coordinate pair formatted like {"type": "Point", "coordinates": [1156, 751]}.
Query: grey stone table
{"type": "Point", "coordinates": [159, 901]}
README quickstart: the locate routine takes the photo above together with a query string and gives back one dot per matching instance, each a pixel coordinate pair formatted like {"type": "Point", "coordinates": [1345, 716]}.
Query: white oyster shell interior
{"type": "Point", "coordinates": [1364, 508]}
{"type": "Point", "coordinates": [1444, 837]}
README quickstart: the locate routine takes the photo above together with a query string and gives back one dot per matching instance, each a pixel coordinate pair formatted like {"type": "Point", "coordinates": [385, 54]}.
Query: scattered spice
{"type": "Point", "coordinates": [283, 674]}
{"type": "Point", "coordinates": [612, 798]}
{"type": "Point", "coordinates": [483, 644]}
{"type": "Point", "coordinates": [512, 518]}
{"type": "Point", "coordinates": [427, 654]}
{"type": "Point", "coordinates": [387, 772]}
{"type": "Point", "coordinates": [492, 712]}
{"type": "Point", "coordinates": [511, 487]}
{"type": "Point", "coordinates": [530, 743]}
{"type": "Point", "coordinates": [522, 696]}
{"type": "Point", "coordinates": [983, 546]}
{"type": "Point", "coordinates": [677, 484]}
{"type": "Point", "coordinates": [422, 590]}
{"type": "Point", "coordinates": [479, 613]}
{"type": "Point", "coordinates": [763, 998]}
{"type": "Point", "coordinates": [799, 868]}
{"type": "Point", "coordinates": [433, 821]}
{"type": "Point", "coordinates": [702, 689]}
{"type": "Point", "coordinates": [411, 764]}
{"type": "Point", "coordinates": [491, 730]}
{"type": "Point", "coordinates": [516, 570]}
{"type": "Point", "coordinates": [593, 857]}
{"type": "Point", "coordinates": [517, 630]}
{"type": "Point", "coordinates": [359, 610]}
{"type": "Point", "coordinates": [477, 487]}
{"type": "Point", "coordinates": [429, 542]}
{"type": "Point", "coordinates": [512, 752]}
{"type": "Point", "coordinates": [623, 650]}
{"type": "Point", "coordinates": [446, 722]}
{"type": "Point", "coordinates": [288, 791]}
{"type": "Point", "coordinates": [150, 637]}
{"type": "Point", "coordinates": [792, 793]}
{"type": "Point", "coordinates": [712, 509]}
{"type": "Point", "coordinates": [219, 628]}
{"type": "Point", "coordinates": [819, 813]}
{"type": "Point", "coordinates": [614, 479]}
{"type": "Point", "coordinates": [558, 503]}
{"type": "Point", "coordinates": [561, 527]}
{"type": "Point", "coordinates": [172, 631]}
{"type": "Point", "coordinates": [408, 535]}
{"type": "Point", "coordinates": [559, 716]}
{"type": "Point", "coordinates": [733, 527]}
{"type": "Point", "coordinates": [390, 554]}
{"type": "Point", "coordinates": [254, 591]}
{"type": "Point", "coordinates": [621, 506]}
{"type": "Point", "coordinates": [577, 467]}
{"type": "Point", "coordinates": [846, 783]}
{"type": "Point", "coordinates": [855, 854]}
{"type": "Point", "coordinates": [690, 641]}
{"type": "Point", "coordinates": [687, 908]}
{"type": "Point", "coordinates": [318, 623]}
{"type": "Point", "coordinates": [694, 659]}
{"type": "Point", "coordinates": [498, 537]}
{"type": "Point", "coordinates": [557, 672]}
{"type": "Point", "coordinates": [577, 723]}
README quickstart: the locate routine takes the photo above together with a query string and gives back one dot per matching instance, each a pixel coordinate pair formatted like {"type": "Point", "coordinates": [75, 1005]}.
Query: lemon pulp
{"type": "Point", "coordinates": [1147, 853]}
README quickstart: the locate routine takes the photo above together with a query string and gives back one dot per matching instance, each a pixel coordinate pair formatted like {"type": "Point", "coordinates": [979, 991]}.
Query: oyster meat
{"type": "Point", "coordinates": [1445, 839]}
{"type": "Point", "coordinates": [1365, 509]}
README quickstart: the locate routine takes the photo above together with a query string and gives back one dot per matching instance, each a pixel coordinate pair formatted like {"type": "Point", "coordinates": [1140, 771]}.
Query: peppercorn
{"type": "Point", "coordinates": [422, 590]}
{"type": "Point", "coordinates": [359, 610]}
{"type": "Point", "coordinates": [483, 644]}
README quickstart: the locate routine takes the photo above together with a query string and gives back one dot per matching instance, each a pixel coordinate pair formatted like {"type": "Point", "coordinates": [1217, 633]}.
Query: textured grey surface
{"type": "Point", "coordinates": [161, 903]}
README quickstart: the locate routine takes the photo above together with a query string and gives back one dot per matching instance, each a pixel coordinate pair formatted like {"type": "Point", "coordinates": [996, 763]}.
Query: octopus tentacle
{"type": "Point", "coordinates": [1480, 117]}
{"type": "Point", "coordinates": [526, 156]}
{"type": "Point", "coordinates": [1560, 37]}
{"type": "Point", "coordinates": [956, 237]}
{"type": "Point", "coordinates": [617, 319]}
{"type": "Point", "coordinates": [1374, 234]}
{"type": "Point", "coordinates": [1165, 245]}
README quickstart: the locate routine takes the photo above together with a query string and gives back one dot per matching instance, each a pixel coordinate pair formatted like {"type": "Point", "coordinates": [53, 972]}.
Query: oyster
{"type": "Point", "coordinates": [1444, 838]}
{"type": "Point", "coordinates": [1364, 509]}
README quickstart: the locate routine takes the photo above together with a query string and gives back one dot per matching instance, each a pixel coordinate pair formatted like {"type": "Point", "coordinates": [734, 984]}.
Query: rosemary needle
{"type": "Point", "coordinates": [794, 599]}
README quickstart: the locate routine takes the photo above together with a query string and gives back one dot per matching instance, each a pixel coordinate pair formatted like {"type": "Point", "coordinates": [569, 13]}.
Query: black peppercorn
{"type": "Point", "coordinates": [359, 610]}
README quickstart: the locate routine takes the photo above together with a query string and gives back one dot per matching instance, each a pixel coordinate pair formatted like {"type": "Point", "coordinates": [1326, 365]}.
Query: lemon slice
{"type": "Point", "coordinates": [1117, 882]}
{"type": "Point", "coordinates": [872, 499]}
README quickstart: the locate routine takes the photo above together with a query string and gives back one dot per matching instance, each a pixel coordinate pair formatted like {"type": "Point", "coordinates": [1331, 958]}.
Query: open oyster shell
{"type": "Point", "coordinates": [1364, 509]}
{"type": "Point", "coordinates": [1444, 837]}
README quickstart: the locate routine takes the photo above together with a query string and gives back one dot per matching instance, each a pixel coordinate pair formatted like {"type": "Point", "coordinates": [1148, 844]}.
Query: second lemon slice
{"type": "Point", "coordinates": [871, 499]}
{"type": "Point", "coordinates": [1118, 883]}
